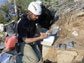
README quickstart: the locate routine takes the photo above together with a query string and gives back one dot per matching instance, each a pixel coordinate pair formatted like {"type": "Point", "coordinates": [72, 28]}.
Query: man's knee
{"type": "Point", "coordinates": [29, 54]}
{"type": "Point", "coordinates": [27, 59]}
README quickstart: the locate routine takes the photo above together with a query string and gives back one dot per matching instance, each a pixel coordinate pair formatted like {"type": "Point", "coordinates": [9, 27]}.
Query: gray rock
{"type": "Point", "coordinates": [57, 45]}
{"type": "Point", "coordinates": [70, 45]}
{"type": "Point", "coordinates": [2, 46]}
{"type": "Point", "coordinates": [63, 47]}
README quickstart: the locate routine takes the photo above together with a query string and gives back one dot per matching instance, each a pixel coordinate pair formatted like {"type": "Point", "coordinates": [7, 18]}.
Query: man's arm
{"type": "Point", "coordinates": [30, 40]}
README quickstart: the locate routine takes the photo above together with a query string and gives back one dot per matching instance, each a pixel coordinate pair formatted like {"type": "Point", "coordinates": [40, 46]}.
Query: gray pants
{"type": "Point", "coordinates": [29, 56]}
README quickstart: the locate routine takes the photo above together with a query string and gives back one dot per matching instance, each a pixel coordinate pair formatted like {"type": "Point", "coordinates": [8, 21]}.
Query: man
{"type": "Point", "coordinates": [45, 19]}
{"type": "Point", "coordinates": [26, 31]}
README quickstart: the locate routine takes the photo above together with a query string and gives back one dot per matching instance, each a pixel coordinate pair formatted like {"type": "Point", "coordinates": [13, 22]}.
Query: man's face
{"type": "Point", "coordinates": [33, 17]}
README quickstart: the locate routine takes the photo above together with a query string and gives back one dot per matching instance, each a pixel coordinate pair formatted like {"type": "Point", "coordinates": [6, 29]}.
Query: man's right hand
{"type": "Point", "coordinates": [30, 40]}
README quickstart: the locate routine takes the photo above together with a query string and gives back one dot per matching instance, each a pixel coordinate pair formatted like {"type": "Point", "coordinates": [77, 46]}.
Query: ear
{"type": "Point", "coordinates": [29, 13]}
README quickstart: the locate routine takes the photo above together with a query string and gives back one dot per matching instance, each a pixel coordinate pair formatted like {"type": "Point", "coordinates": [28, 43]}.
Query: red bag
{"type": "Point", "coordinates": [10, 42]}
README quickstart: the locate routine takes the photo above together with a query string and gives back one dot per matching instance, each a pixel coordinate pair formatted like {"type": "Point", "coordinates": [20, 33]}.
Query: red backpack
{"type": "Point", "coordinates": [10, 42]}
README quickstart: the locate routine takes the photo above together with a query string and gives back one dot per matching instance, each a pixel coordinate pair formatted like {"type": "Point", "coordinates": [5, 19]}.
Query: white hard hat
{"type": "Point", "coordinates": [35, 8]}
{"type": "Point", "coordinates": [39, 2]}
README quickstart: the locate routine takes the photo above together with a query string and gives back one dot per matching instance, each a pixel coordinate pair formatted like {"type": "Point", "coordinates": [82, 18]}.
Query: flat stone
{"type": "Point", "coordinates": [65, 56]}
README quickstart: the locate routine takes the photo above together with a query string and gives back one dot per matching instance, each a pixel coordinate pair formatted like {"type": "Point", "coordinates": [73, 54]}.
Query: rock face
{"type": "Point", "coordinates": [71, 30]}
{"type": "Point", "coordinates": [71, 26]}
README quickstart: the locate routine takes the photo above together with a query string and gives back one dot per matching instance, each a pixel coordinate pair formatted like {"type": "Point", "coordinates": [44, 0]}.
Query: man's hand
{"type": "Point", "coordinates": [30, 40]}
{"type": "Point", "coordinates": [43, 35]}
